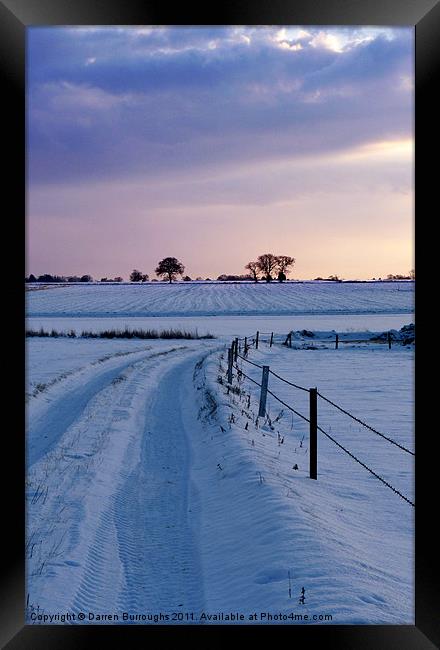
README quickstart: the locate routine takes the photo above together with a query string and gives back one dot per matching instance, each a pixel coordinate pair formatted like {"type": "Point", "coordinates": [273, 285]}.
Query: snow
{"type": "Point", "coordinates": [346, 538]}
{"type": "Point", "coordinates": [306, 339]}
{"type": "Point", "coordinates": [226, 325]}
{"type": "Point", "coordinates": [51, 360]}
{"type": "Point", "coordinates": [153, 491]}
{"type": "Point", "coordinates": [99, 502]}
{"type": "Point", "coordinates": [204, 299]}
{"type": "Point", "coordinates": [147, 497]}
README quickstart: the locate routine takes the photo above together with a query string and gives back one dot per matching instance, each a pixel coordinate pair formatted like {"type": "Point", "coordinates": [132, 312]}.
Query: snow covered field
{"type": "Point", "coordinates": [346, 538]}
{"type": "Point", "coordinates": [194, 299]}
{"type": "Point", "coordinates": [152, 490]}
{"type": "Point", "coordinates": [49, 361]}
{"type": "Point", "coordinates": [145, 496]}
{"type": "Point", "coordinates": [228, 326]}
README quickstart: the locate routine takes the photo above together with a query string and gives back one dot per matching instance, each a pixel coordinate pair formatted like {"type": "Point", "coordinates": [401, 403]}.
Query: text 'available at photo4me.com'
{"type": "Point", "coordinates": [177, 617]}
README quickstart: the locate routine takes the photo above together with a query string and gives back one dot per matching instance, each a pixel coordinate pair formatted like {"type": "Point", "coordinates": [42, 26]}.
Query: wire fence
{"type": "Point", "coordinates": [366, 467]}
{"type": "Point", "coordinates": [385, 338]}
{"type": "Point", "coordinates": [290, 383]}
{"type": "Point", "coordinates": [364, 424]}
{"type": "Point", "coordinates": [248, 343]}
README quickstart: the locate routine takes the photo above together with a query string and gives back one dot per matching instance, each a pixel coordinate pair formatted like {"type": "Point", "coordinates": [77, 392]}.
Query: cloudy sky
{"type": "Point", "coordinates": [216, 144]}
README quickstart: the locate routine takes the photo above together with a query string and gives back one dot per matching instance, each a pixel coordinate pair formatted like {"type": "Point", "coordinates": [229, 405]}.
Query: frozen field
{"type": "Point", "coordinates": [228, 326]}
{"type": "Point", "coordinates": [193, 299]}
{"type": "Point", "coordinates": [151, 489]}
{"type": "Point", "coordinates": [147, 492]}
{"type": "Point", "coordinates": [50, 361]}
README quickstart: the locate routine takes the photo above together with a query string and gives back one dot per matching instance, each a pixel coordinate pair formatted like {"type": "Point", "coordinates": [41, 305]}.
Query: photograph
{"type": "Point", "coordinates": [220, 325]}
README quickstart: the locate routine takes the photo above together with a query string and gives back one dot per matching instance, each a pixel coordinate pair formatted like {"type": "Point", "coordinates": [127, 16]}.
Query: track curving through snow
{"type": "Point", "coordinates": [45, 432]}
{"type": "Point", "coordinates": [117, 527]}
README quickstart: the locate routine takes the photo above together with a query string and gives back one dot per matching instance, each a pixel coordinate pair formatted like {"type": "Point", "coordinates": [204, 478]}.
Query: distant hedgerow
{"type": "Point", "coordinates": [121, 334]}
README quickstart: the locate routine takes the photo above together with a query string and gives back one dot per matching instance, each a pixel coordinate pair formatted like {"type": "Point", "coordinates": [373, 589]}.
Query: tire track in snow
{"type": "Point", "coordinates": [78, 477]}
{"type": "Point", "coordinates": [43, 435]}
{"type": "Point", "coordinates": [144, 557]}
{"type": "Point", "coordinates": [166, 576]}
{"type": "Point", "coordinates": [132, 547]}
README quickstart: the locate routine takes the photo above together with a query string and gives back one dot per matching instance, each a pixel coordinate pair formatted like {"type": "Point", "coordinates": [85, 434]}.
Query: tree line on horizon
{"type": "Point", "coordinates": [266, 267]}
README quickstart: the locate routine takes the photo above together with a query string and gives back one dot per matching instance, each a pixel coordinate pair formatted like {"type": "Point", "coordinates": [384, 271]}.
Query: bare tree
{"type": "Point", "coordinates": [284, 263]}
{"type": "Point", "coordinates": [281, 276]}
{"type": "Point", "coordinates": [135, 276]}
{"type": "Point", "coordinates": [254, 269]}
{"type": "Point", "coordinates": [267, 264]}
{"type": "Point", "coordinates": [169, 268]}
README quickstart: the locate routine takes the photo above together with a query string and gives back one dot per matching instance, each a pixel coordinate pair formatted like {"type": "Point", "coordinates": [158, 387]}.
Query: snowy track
{"type": "Point", "coordinates": [45, 432]}
{"type": "Point", "coordinates": [160, 492]}
{"type": "Point", "coordinates": [157, 494]}
{"type": "Point", "coordinates": [114, 482]}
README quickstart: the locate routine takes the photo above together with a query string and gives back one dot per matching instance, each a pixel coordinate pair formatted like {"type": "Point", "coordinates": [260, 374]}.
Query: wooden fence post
{"type": "Point", "coordinates": [256, 340]}
{"type": "Point", "coordinates": [263, 393]}
{"type": "Point", "coordinates": [236, 350]}
{"type": "Point", "coordinates": [245, 344]}
{"type": "Point", "coordinates": [337, 342]}
{"type": "Point", "coordinates": [313, 442]}
{"type": "Point", "coordinates": [230, 358]}
{"type": "Point", "coordinates": [271, 340]}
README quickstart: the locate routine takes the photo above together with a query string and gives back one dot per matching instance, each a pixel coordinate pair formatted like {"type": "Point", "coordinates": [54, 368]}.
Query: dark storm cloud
{"type": "Point", "coordinates": [112, 103]}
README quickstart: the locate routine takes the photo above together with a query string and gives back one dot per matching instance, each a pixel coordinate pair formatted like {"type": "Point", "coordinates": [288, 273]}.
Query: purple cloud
{"type": "Point", "coordinates": [136, 135]}
{"type": "Point", "coordinates": [111, 102]}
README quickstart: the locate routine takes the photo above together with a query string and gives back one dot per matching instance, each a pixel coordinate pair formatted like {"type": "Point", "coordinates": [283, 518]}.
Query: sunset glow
{"type": "Point", "coordinates": [217, 144]}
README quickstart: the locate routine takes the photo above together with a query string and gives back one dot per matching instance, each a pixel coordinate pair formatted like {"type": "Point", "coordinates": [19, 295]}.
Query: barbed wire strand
{"type": "Point", "coordinates": [290, 408]}
{"type": "Point", "coordinates": [288, 382]}
{"type": "Point", "coordinates": [356, 419]}
{"type": "Point", "coordinates": [366, 467]}
{"type": "Point", "coordinates": [366, 425]}
{"type": "Point", "coordinates": [244, 375]}
{"type": "Point", "coordinates": [251, 362]}
{"type": "Point", "coordinates": [273, 395]}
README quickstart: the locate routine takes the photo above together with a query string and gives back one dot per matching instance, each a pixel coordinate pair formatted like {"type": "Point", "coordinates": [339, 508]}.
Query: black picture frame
{"type": "Point", "coordinates": [15, 17]}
